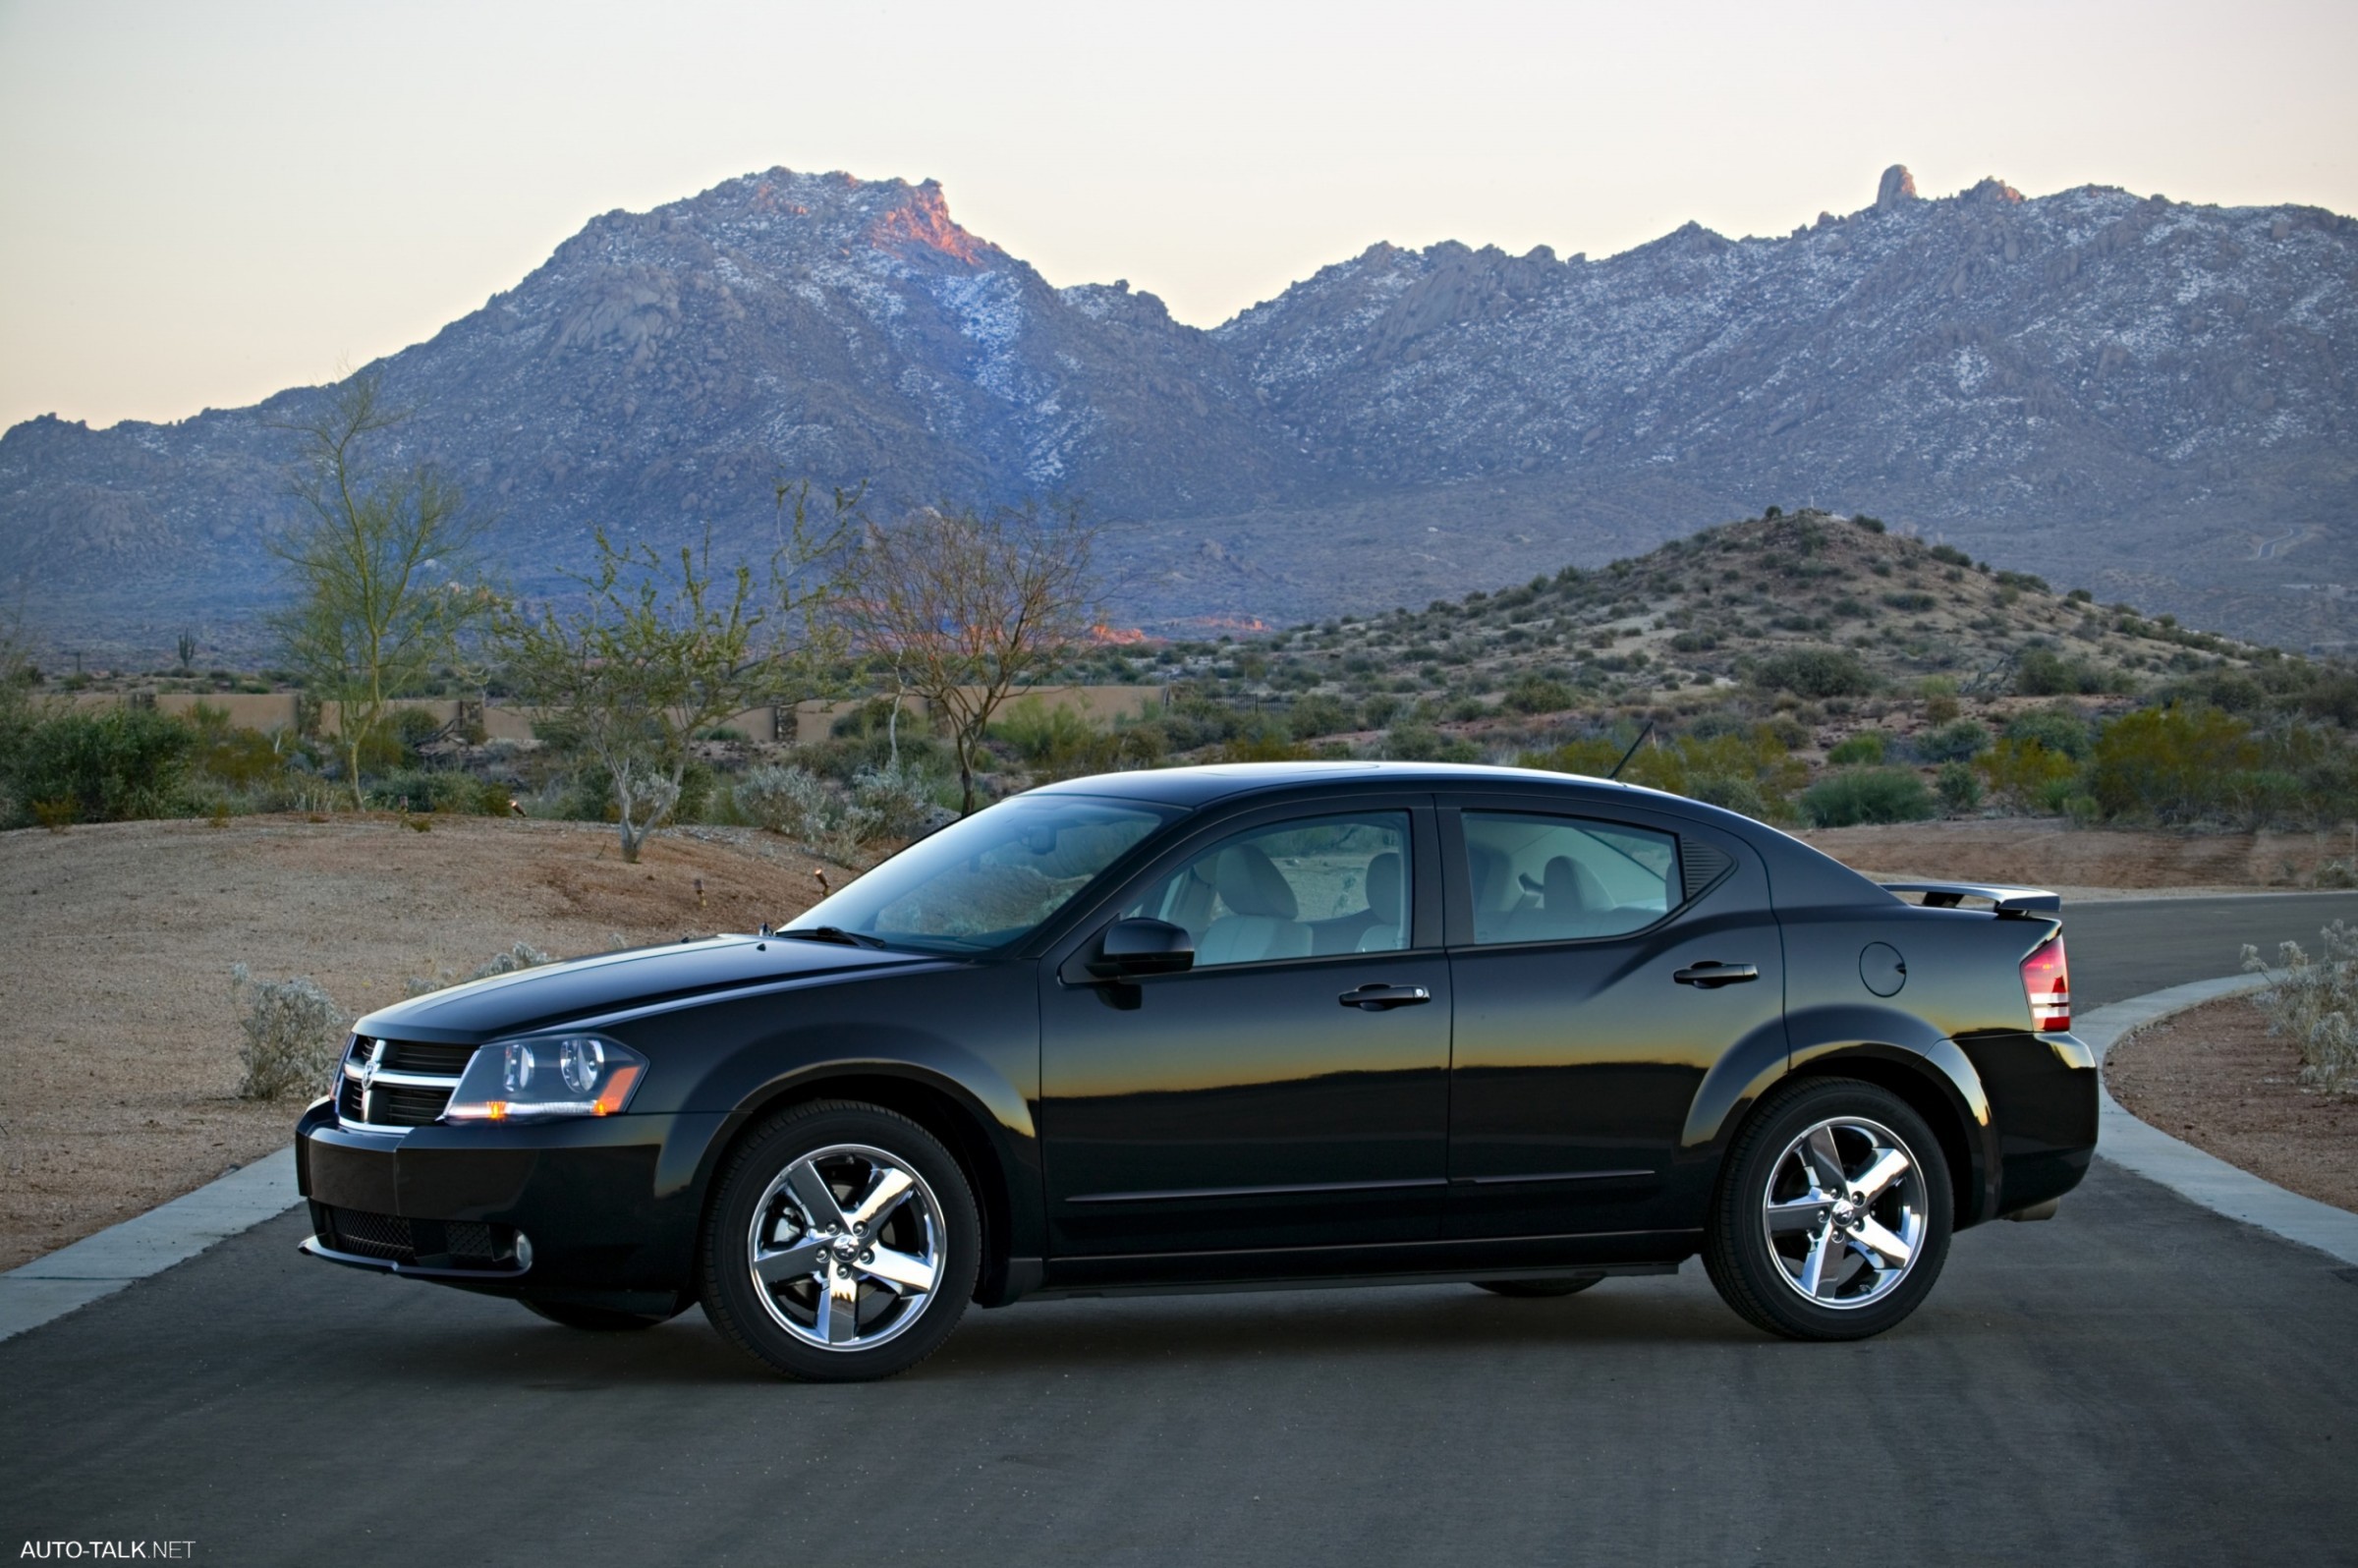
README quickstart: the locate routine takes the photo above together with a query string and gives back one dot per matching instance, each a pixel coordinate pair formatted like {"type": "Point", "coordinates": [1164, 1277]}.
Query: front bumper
{"type": "Point", "coordinates": [590, 1205]}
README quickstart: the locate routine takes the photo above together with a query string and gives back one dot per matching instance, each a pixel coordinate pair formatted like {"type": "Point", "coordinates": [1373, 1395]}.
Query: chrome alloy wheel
{"type": "Point", "coordinates": [846, 1246]}
{"type": "Point", "coordinates": [1845, 1212]}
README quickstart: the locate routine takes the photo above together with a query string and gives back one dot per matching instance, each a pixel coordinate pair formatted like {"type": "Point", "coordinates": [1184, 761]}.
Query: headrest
{"type": "Point", "coordinates": [1250, 883]}
{"type": "Point", "coordinates": [1559, 886]}
{"type": "Point", "coordinates": [1383, 884]}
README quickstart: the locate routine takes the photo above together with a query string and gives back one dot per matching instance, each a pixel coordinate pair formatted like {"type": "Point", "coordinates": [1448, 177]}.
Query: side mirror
{"type": "Point", "coordinates": [1134, 947]}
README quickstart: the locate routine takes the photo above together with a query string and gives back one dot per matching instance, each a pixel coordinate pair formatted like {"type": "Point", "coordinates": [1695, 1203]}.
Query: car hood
{"type": "Point", "coordinates": [584, 989]}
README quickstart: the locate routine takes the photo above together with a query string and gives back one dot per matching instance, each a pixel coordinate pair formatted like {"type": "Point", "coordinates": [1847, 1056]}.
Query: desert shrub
{"type": "Point", "coordinates": [1959, 787]}
{"type": "Point", "coordinates": [241, 759]}
{"type": "Point", "coordinates": [1815, 673]}
{"type": "Point", "coordinates": [1868, 746]}
{"type": "Point", "coordinates": [2041, 672]}
{"type": "Point", "coordinates": [1317, 714]}
{"type": "Point", "coordinates": [1747, 768]}
{"type": "Point", "coordinates": [444, 790]}
{"type": "Point", "coordinates": [108, 766]}
{"type": "Point", "coordinates": [2314, 1003]}
{"type": "Point", "coordinates": [2333, 696]}
{"type": "Point", "coordinates": [295, 1033]}
{"type": "Point", "coordinates": [2175, 764]}
{"type": "Point", "coordinates": [1422, 743]}
{"type": "Point", "coordinates": [899, 802]}
{"type": "Point", "coordinates": [2058, 729]}
{"type": "Point", "coordinates": [1957, 741]}
{"type": "Point", "coordinates": [1264, 741]}
{"type": "Point", "coordinates": [1040, 731]}
{"type": "Point", "coordinates": [1539, 694]}
{"type": "Point", "coordinates": [1873, 524]}
{"type": "Point", "coordinates": [1914, 602]}
{"type": "Point", "coordinates": [1950, 555]}
{"type": "Point", "coordinates": [1867, 795]}
{"type": "Point", "coordinates": [792, 801]}
{"type": "Point", "coordinates": [2028, 776]}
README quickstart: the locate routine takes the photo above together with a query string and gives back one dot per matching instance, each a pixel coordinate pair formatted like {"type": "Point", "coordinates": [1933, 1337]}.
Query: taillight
{"type": "Point", "coordinates": [2046, 983]}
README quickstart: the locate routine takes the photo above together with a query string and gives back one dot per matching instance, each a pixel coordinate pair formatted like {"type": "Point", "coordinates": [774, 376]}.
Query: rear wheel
{"type": "Point", "coordinates": [841, 1245]}
{"type": "Point", "coordinates": [1536, 1289]}
{"type": "Point", "coordinates": [1832, 1215]}
{"type": "Point", "coordinates": [596, 1319]}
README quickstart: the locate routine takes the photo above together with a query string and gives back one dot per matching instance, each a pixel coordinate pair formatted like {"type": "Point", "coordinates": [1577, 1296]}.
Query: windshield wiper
{"type": "Point", "coordinates": [833, 933]}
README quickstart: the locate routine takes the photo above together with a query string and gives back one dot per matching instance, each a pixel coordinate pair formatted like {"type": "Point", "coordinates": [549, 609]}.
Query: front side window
{"type": "Point", "coordinates": [991, 879]}
{"type": "Point", "coordinates": [1560, 878]}
{"type": "Point", "coordinates": [1298, 889]}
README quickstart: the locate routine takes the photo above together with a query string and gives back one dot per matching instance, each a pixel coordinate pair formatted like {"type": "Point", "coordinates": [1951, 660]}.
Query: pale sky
{"type": "Point", "coordinates": [204, 203]}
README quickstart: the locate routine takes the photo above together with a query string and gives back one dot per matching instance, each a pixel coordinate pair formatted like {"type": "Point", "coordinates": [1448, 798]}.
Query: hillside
{"type": "Point", "coordinates": [2144, 397]}
{"type": "Point", "coordinates": [1814, 614]}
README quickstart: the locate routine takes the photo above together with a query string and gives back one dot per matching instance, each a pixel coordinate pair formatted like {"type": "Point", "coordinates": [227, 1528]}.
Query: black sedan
{"type": "Point", "coordinates": [1279, 1024]}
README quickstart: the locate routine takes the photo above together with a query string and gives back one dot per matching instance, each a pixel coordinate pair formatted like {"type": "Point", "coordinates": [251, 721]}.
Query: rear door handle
{"type": "Point", "coordinates": [1710, 975]}
{"type": "Point", "coordinates": [1375, 998]}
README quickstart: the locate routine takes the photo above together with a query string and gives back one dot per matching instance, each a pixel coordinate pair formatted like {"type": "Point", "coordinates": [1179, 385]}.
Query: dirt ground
{"type": "Point", "coordinates": [2215, 1076]}
{"type": "Point", "coordinates": [2087, 862]}
{"type": "Point", "coordinates": [119, 1035]}
{"type": "Point", "coordinates": [118, 1031]}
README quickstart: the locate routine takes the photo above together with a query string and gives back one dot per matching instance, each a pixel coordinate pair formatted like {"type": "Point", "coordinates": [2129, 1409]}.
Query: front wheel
{"type": "Point", "coordinates": [841, 1245]}
{"type": "Point", "coordinates": [1832, 1215]}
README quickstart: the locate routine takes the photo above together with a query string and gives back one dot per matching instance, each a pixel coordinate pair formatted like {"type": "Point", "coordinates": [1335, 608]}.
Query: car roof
{"type": "Point", "coordinates": [1220, 781]}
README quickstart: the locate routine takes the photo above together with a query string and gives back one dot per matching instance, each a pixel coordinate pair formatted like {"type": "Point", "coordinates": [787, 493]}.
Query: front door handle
{"type": "Point", "coordinates": [1710, 975]}
{"type": "Point", "coordinates": [1375, 998]}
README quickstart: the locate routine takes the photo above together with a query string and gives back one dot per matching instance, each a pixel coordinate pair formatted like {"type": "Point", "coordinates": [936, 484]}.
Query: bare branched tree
{"type": "Point", "coordinates": [970, 609]}
{"type": "Point", "coordinates": [658, 649]}
{"type": "Point", "coordinates": [383, 563]}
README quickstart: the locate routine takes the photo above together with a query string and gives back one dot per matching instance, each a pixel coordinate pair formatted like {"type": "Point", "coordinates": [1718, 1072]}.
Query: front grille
{"type": "Point", "coordinates": [414, 1243]}
{"type": "Point", "coordinates": [367, 1094]}
{"type": "Point", "coordinates": [419, 1057]}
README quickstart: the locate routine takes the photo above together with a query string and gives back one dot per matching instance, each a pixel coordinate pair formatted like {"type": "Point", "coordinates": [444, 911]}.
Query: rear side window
{"type": "Point", "coordinates": [1561, 878]}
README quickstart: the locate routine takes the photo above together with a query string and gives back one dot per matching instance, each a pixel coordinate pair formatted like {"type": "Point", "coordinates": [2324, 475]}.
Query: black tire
{"type": "Point", "coordinates": [1537, 1289]}
{"type": "Point", "coordinates": [891, 1327]}
{"type": "Point", "coordinates": [1858, 1294]}
{"type": "Point", "coordinates": [594, 1320]}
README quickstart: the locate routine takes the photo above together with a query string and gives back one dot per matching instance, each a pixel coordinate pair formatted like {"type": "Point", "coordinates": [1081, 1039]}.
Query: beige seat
{"type": "Point", "coordinates": [1261, 923]}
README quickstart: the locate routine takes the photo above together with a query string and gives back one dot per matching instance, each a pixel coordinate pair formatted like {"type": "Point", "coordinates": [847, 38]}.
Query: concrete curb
{"type": "Point", "coordinates": [52, 1286]}
{"type": "Point", "coordinates": [2186, 1170]}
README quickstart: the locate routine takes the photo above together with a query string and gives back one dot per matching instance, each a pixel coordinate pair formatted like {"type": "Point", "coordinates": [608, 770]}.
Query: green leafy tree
{"type": "Point", "coordinates": [381, 562]}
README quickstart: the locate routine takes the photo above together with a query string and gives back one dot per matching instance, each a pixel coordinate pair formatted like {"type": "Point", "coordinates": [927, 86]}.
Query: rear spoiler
{"type": "Point", "coordinates": [2005, 902]}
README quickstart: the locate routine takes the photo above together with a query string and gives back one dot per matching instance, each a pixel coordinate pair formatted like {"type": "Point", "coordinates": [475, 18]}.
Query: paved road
{"type": "Point", "coordinates": [2138, 1381]}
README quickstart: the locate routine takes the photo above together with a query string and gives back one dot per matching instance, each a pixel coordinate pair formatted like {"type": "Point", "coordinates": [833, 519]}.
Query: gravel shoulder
{"type": "Point", "coordinates": [2214, 1076]}
{"type": "Point", "coordinates": [118, 1031]}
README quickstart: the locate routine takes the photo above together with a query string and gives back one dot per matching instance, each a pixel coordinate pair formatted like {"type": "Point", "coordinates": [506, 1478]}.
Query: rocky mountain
{"type": "Point", "coordinates": [2149, 399]}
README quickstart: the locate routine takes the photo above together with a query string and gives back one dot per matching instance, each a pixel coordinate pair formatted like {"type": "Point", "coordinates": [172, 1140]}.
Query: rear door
{"type": "Point", "coordinates": [1602, 959]}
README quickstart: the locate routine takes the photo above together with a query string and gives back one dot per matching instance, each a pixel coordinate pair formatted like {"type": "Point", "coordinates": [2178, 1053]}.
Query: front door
{"type": "Point", "coordinates": [1600, 965]}
{"type": "Point", "coordinates": [1250, 1104]}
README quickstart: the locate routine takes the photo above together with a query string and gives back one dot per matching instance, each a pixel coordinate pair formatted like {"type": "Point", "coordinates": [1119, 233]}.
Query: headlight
{"type": "Point", "coordinates": [559, 1075]}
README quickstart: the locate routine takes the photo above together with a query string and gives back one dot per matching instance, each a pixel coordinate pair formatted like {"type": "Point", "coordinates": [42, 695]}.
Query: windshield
{"type": "Point", "coordinates": [992, 878]}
